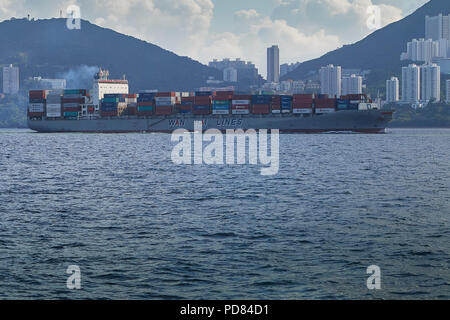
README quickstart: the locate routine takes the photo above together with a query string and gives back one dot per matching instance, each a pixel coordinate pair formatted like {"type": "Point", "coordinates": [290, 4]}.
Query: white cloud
{"type": "Point", "coordinates": [344, 18]}
{"type": "Point", "coordinates": [303, 29]}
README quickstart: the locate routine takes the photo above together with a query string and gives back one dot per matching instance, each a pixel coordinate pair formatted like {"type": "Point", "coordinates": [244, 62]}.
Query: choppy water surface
{"type": "Point", "coordinates": [141, 227]}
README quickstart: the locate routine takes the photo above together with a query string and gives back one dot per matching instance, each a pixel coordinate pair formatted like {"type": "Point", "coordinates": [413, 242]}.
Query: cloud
{"type": "Point", "coordinates": [344, 18]}
{"type": "Point", "coordinates": [303, 29]}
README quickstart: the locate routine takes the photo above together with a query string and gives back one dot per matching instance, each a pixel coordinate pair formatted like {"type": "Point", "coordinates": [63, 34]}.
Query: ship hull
{"type": "Point", "coordinates": [370, 121]}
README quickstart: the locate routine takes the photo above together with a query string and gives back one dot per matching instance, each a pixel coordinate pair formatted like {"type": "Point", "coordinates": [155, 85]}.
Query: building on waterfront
{"type": "Point", "coordinates": [392, 90]}
{"type": "Point", "coordinates": [273, 64]}
{"type": "Point", "coordinates": [430, 77]}
{"type": "Point", "coordinates": [411, 84]}
{"type": "Point", "coordinates": [352, 85]}
{"type": "Point", "coordinates": [39, 83]}
{"type": "Point", "coordinates": [11, 84]}
{"type": "Point", "coordinates": [245, 71]}
{"type": "Point", "coordinates": [230, 75]}
{"type": "Point", "coordinates": [330, 80]}
{"type": "Point", "coordinates": [437, 27]}
{"type": "Point", "coordinates": [423, 50]}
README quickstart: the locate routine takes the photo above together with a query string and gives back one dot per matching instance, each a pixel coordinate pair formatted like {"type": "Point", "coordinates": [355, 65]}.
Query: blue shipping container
{"type": "Point", "coordinates": [261, 99]}
{"type": "Point", "coordinates": [221, 107]}
{"type": "Point", "coordinates": [203, 93]}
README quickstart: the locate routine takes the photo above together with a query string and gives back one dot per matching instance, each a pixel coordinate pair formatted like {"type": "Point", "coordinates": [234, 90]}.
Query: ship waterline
{"type": "Point", "coordinates": [367, 121]}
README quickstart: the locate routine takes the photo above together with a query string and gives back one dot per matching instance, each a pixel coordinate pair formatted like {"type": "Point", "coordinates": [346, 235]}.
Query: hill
{"type": "Point", "coordinates": [380, 51]}
{"type": "Point", "coordinates": [48, 48]}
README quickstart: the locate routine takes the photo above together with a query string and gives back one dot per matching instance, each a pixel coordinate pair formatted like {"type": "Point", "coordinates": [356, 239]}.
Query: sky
{"type": "Point", "coordinates": [208, 29]}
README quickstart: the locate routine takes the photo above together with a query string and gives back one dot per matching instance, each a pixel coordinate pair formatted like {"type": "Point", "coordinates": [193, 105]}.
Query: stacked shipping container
{"type": "Point", "coordinates": [72, 101]}
{"type": "Point", "coordinates": [302, 104]}
{"type": "Point", "coordinates": [145, 105]}
{"type": "Point", "coordinates": [36, 106]}
{"type": "Point", "coordinates": [241, 104]}
{"type": "Point", "coordinates": [324, 105]}
{"type": "Point", "coordinates": [53, 107]}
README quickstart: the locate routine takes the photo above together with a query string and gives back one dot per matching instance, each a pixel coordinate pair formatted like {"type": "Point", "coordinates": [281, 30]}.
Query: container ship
{"type": "Point", "coordinates": [109, 108]}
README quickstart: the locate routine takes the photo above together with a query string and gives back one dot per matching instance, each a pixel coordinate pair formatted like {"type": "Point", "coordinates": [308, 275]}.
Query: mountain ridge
{"type": "Point", "coordinates": [46, 47]}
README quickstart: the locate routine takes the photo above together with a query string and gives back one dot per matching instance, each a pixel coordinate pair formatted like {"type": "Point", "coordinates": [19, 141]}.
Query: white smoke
{"type": "Point", "coordinates": [80, 77]}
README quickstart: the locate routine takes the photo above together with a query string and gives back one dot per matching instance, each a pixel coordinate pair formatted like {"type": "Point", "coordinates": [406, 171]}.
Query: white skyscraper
{"type": "Point", "coordinates": [392, 90]}
{"type": "Point", "coordinates": [422, 50]}
{"type": "Point", "coordinates": [352, 85]}
{"type": "Point", "coordinates": [230, 75]}
{"type": "Point", "coordinates": [10, 80]}
{"type": "Point", "coordinates": [330, 80]}
{"type": "Point", "coordinates": [448, 91]}
{"type": "Point", "coordinates": [444, 48]}
{"type": "Point", "coordinates": [273, 64]}
{"type": "Point", "coordinates": [430, 75]}
{"type": "Point", "coordinates": [411, 83]}
{"type": "Point", "coordinates": [437, 27]}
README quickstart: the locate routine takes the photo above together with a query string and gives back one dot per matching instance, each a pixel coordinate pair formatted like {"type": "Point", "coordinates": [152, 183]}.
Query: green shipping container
{"type": "Point", "coordinates": [70, 114]}
{"type": "Point", "coordinates": [71, 91]}
{"type": "Point", "coordinates": [145, 108]}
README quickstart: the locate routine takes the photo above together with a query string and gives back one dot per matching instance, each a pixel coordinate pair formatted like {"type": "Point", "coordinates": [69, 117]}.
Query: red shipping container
{"type": "Point", "coordinates": [71, 109]}
{"type": "Point", "coordinates": [261, 109]}
{"type": "Point", "coordinates": [242, 97]}
{"type": "Point", "coordinates": [79, 100]}
{"type": "Point", "coordinates": [202, 101]}
{"type": "Point", "coordinates": [163, 110]}
{"type": "Point", "coordinates": [132, 96]}
{"type": "Point", "coordinates": [91, 109]}
{"type": "Point", "coordinates": [38, 94]}
{"type": "Point", "coordinates": [184, 107]}
{"type": "Point", "coordinates": [166, 94]}
{"type": "Point", "coordinates": [188, 100]}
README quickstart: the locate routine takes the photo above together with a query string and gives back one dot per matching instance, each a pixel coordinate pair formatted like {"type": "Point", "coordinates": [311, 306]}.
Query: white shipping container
{"type": "Point", "coordinates": [54, 98]}
{"type": "Point", "coordinates": [53, 110]}
{"type": "Point", "coordinates": [240, 102]}
{"type": "Point", "coordinates": [325, 110]}
{"type": "Point", "coordinates": [286, 111]}
{"type": "Point", "coordinates": [302, 111]}
{"type": "Point", "coordinates": [276, 111]}
{"type": "Point", "coordinates": [36, 107]}
{"type": "Point", "coordinates": [241, 111]}
{"type": "Point", "coordinates": [215, 111]}
{"type": "Point", "coordinates": [367, 106]}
